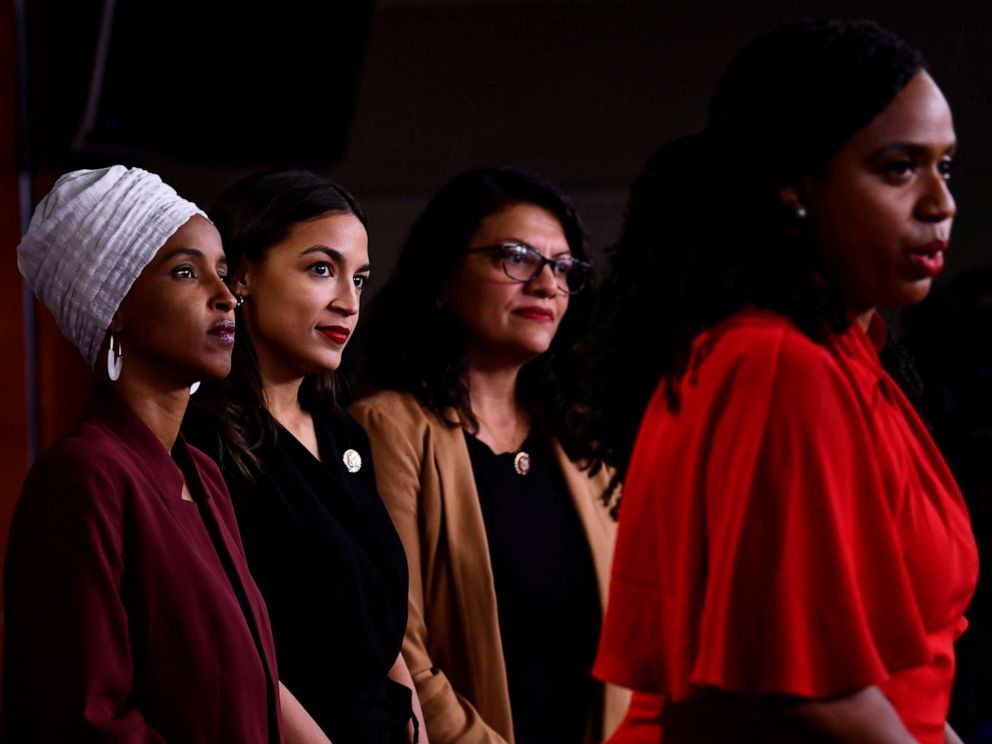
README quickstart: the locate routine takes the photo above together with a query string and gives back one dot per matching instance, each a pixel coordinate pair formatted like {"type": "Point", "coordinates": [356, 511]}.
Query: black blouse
{"type": "Point", "coordinates": [546, 592]}
{"type": "Point", "coordinates": [331, 567]}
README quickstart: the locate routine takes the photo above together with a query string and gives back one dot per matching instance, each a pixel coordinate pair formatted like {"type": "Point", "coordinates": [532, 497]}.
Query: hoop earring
{"type": "Point", "coordinates": [194, 387]}
{"type": "Point", "coordinates": [115, 361]}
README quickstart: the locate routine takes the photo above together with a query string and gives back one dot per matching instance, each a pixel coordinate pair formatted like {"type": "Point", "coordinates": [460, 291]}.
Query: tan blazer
{"type": "Point", "coordinates": [452, 643]}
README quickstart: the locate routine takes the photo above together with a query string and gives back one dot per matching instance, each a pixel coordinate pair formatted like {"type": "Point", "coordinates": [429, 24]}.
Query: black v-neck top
{"type": "Point", "coordinates": [546, 591]}
{"type": "Point", "coordinates": [331, 567]}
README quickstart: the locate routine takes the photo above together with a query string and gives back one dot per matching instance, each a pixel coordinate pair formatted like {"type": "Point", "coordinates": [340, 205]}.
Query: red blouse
{"type": "Point", "coordinates": [792, 530]}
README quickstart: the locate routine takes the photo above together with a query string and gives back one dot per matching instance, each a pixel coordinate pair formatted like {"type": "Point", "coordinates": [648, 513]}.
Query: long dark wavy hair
{"type": "Point", "coordinates": [252, 216]}
{"type": "Point", "coordinates": [706, 232]}
{"type": "Point", "coordinates": [395, 354]}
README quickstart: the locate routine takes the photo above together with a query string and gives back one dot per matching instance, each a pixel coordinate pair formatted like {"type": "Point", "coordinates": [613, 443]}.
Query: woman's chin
{"type": "Point", "coordinates": [217, 371]}
{"type": "Point", "coordinates": [911, 293]}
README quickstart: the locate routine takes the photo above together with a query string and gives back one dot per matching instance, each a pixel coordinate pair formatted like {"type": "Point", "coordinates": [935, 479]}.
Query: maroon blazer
{"type": "Point", "coordinates": [122, 623]}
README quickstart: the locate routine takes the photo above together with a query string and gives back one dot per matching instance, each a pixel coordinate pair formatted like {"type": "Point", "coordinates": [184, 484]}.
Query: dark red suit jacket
{"type": "Point", "coordinates": [122, 624]}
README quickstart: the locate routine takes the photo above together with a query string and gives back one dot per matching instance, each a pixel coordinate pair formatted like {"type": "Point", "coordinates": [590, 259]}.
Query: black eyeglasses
{"type": "Point", "coordinates": [523, 264]}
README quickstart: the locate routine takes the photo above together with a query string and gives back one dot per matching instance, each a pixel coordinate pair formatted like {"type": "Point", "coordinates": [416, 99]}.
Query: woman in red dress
{"type": "Point", "coordinates": [794, 558]}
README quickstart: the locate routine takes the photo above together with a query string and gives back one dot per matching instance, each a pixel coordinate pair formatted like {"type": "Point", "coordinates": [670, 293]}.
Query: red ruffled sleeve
{"type": "Point", "coordinates": [757, 550]}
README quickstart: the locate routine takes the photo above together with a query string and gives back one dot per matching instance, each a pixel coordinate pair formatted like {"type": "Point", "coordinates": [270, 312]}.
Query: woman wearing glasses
{"type": "Point", "coordinates": [471, 348]}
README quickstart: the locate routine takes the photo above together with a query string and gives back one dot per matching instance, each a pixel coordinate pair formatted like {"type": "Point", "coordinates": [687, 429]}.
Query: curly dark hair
{"type": "Point", "coordinates": [252, 216]}
{"type": "Point", "coordinates": [395, 354]}
{"type": "Point", "coordinates": [706, 232]}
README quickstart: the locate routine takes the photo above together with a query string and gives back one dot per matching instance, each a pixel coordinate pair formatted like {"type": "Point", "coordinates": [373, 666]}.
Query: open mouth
{"type": "Point", "coordinates": [929, 260]}
{"type": "Point", "coordinates": [223, 331]}
{"type": "Point", "coordinates": [930, 264]}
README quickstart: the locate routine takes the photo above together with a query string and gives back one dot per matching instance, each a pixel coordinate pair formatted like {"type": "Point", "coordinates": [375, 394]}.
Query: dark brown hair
{"type": "Point", "coordinates": [252, 216]}
{"type": "Point", "coordinates": [396, 355]}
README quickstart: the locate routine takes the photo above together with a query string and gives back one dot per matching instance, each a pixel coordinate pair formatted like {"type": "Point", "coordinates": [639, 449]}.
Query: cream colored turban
{"type": "Point", "coordinates": [90, 238]}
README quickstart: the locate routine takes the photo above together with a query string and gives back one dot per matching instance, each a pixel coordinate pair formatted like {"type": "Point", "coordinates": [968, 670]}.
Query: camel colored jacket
{"type": "Point", "coordinates": [452, 642]}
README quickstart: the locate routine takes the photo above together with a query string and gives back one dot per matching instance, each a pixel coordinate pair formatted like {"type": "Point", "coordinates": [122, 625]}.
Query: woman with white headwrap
{"type": "Point", "coordinates": [130, 612]}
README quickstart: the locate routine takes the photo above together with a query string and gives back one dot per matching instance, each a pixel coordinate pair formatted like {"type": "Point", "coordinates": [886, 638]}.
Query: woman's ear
{"type": "Point", "coordinates": [791, 197]}
{"type": "Point", "coordinates": [239, 281]}
{"type": "Point", "coordinates": [115, 324]}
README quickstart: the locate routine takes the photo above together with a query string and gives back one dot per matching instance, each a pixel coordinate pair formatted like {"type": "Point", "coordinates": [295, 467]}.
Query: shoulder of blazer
{"type": "Point", "coordinates": [597, 483]}
{"type": "Point", "coordinates": [401, 411]}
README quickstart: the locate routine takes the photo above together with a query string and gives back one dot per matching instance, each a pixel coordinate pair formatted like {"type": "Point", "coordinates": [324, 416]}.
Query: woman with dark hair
{"type": "Point", "coordinates": [794, 558]}
{"type": "Point", "coordinates": [130, 614]}
{"type": "Point", "coordinates": [471, 347]}
{"type": "Point", "coordinates": [318, 540]}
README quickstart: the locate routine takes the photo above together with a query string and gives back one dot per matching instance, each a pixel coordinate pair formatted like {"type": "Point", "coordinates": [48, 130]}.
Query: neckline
{"type": "Point", "coordinates": [527, 444]}
{"type": "Point", "coordinates": [521, 458]}
{"type": "Point", "coordinates": [166, 468]}
{"type": "Point", "coordinates": [295, 443]}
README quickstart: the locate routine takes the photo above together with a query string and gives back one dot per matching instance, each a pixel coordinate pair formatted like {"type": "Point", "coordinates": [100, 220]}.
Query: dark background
{"type": "Point", "coordinates": [393, 98]}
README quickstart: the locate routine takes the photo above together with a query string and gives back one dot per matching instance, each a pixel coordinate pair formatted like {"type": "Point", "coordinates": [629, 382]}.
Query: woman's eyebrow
{"type": "Point", "coordinates": [912, 148]}
{"type": "Point", "coordinates": [333, 254]}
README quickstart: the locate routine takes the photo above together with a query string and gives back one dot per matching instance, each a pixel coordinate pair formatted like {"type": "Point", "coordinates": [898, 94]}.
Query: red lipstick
{"type": "Point", "coordinates": [935, 246]}
{"type": "Point", "coordinates": [223, 331]}
{"type": "Point", "coordinates": [533, 312]}
{"type": "Point", "coordinates": [928, 259]}
{"type": "Point", "coordinates": [337, 334]}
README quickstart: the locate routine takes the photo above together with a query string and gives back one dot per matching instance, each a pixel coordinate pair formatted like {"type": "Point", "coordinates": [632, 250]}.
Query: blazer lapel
{"type": "Point", "coordinates": [470, 565]}
{"type": "Point", "coordinates": [593, 515]}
